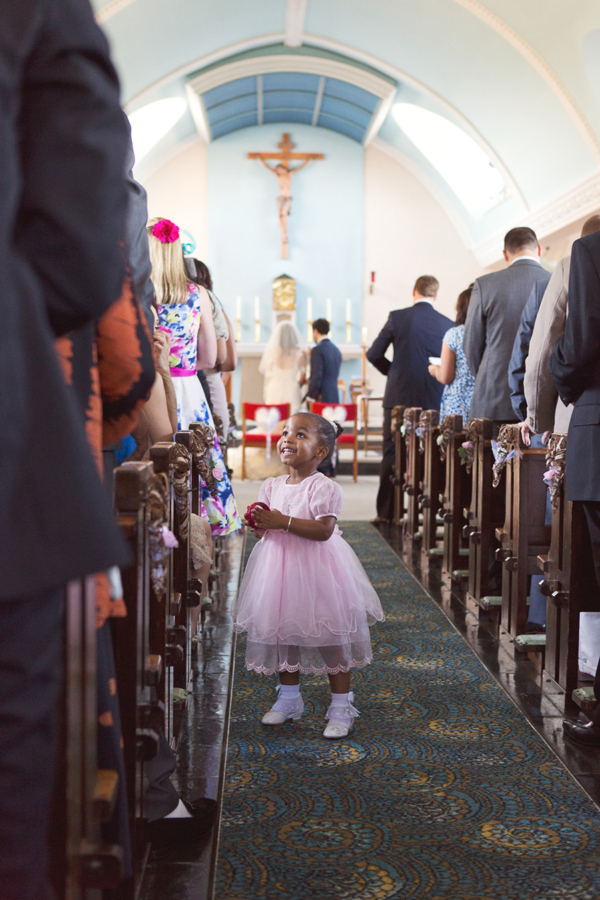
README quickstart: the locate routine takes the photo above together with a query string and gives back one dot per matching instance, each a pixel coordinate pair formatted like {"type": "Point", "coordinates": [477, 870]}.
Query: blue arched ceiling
{"type": "Point", "coordinates": [515, 79]}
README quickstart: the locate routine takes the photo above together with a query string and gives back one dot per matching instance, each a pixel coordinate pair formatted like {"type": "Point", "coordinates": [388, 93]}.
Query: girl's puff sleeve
{"type": "Point", "coordinates": [264, 494]}
{"type": "Point", "coordinates": [326, 499]}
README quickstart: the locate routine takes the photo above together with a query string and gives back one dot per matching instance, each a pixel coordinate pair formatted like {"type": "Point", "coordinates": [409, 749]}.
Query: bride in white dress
{"type": "Point", "coordinates": [282, 365]}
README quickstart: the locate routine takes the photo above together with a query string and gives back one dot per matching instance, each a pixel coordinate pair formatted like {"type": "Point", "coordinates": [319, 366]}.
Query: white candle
{"type": "Point", "coordinates": [256, 309]}
{"type": "Point", "coordinates": [348, 310]}
{"type": "Point", "coordinates": [364, 336]}
{"type": "Point", "coordinates": [309, 309]}
{"type": "Point", "coordinates": [238, 308]}
{"type": "Point", "coordinates": [328, 302]}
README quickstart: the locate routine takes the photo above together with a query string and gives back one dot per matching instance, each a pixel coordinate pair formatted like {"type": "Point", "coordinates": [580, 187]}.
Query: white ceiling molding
{"type": "Point", "coordinates": [295, 14]}
{"type": "Point", "coordinates": [111, 9]}
{"type": "Point", "coordinates": [200, 63]}
{"type": "Point", "coordinates": [540, 65]}
{"type": "Point", "coordinates": [401, 75]}
{"type": "Point", "coordinates": [582, 200]}
{"type": "Point", "coordinates": [307, 65]}
{"type": "Point", "coordinates": [429, 184]}
{"type": "Point", "coordinates": [198, 111]}
{"type": "Point", "coordinates": [379, 117]}
{"type": "Point", "coordinates": [318, 101]}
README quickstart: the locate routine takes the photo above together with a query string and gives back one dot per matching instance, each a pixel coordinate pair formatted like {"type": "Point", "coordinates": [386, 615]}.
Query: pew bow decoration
{"type": "Point", "coordinates": [157, 506]}
{"type": "Point", "coordinates": [267, 417]}
{"type": "Point", "coordinates": [506, 448]}
{"type": "Point", "coordinates": [555, 460]}
{"type": "Point", "coordinates": [210, 470]}
{"type": "Point", "coordinates": [443, 438]}
{"type": "Point", "coordinates": [468, 446]}
{"type": "Point", "coordinates": [466, 451]}
{"type": "Point", "coordinates": [179, 463]}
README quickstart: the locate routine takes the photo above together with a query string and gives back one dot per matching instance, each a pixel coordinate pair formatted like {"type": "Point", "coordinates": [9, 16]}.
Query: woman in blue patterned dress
{"type": "Point", "coordinates": [454, 372]}
{"type": "Point", "coordinates": [184, 311]}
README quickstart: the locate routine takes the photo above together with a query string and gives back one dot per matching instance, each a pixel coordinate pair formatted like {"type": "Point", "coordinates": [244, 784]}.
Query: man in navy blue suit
{"type": "Point", "coordinates": [416, 333]}
{"type": "Point", "coordinates": [325, 362]}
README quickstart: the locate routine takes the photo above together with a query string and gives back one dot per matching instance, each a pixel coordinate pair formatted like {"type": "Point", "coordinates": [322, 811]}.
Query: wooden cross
{"type": "Point", "coordinates": [284, 173]}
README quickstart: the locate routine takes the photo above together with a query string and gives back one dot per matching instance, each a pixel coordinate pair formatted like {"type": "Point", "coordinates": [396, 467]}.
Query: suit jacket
{"type": "Point", "coordinates": [325, 362]}
{"type": "Point", "coordinates": [492, 323]}
{"type": "Point", "coordinates": [575, 367]}
{"type": "Point", "coordinates": [520, 351]}
{"type": "Point", "coordinates": [416, 333]}
{"type": "Point", "coordinates": [63, 204]}
{"type": "Point", "coordinates": [545, 409]}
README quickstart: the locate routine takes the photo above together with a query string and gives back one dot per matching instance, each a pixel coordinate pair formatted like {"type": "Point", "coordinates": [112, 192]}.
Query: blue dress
{"type": "Point", "coordinates": [457, 396]}
{"type": "Point", "coordinates": [182, 321]}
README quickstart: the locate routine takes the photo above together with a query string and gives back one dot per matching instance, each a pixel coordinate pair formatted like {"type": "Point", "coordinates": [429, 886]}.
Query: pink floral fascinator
{"type": "Point", "coordinates": [167, 232]}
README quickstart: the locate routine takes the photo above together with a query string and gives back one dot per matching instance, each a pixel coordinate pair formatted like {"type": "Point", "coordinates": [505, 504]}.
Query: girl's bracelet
{"type": "Point", "coordinates": [289, 523]}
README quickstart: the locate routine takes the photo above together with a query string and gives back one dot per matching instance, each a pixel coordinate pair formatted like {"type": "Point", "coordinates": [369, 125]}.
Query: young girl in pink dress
{"type": "Point", "coordinates": [305, 600]}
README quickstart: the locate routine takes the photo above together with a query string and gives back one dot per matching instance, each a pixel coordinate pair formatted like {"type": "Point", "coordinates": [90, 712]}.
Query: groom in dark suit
{"type": "Point", "coordinates": [325, 362]}
{"type": "Point", "coordinates": [416, 334]}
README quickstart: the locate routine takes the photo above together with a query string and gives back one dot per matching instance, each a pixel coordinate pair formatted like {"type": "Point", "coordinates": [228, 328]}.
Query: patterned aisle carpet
{"type": "Point", "coordinates": [443, 790]}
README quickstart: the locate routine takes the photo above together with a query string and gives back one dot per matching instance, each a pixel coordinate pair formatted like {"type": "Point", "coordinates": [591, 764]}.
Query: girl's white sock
{"type": "Point", "coordinates": [289, 691]}
{"type": "Point", "coordinates": [339, 699]}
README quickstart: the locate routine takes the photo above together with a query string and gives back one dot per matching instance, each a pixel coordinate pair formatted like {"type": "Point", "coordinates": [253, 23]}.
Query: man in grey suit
{"type": "Point", "coordinates": [493, 320]}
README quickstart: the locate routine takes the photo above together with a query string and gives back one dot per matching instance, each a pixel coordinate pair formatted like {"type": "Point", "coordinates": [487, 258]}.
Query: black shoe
{"type": "Point", "coordinates": [535, 628]}
{"type": "Point", "coordinates": [167, 834]}
{"type": "Point", "coordinates": [582, 734]}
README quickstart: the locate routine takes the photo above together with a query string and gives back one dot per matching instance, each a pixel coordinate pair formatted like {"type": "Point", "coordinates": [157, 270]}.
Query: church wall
{"type": "Point", "coordinates": [177, 191]}
{"type": "Point", "coordinates": [325, 231]}
{"type": "Point", "coordinates": [407, 234]}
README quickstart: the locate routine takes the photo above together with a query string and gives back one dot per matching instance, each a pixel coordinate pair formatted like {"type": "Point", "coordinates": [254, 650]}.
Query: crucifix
{"type": "Point", "coordinates": [283, 173]}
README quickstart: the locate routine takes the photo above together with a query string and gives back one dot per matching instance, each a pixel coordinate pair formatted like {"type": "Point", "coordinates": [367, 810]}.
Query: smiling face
{"type": "Point", "coordinates": [300, 444]}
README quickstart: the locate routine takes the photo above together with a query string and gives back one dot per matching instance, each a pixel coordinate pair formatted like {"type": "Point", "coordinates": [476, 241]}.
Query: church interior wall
{"type": "Point", "coordinates": [407, 234]}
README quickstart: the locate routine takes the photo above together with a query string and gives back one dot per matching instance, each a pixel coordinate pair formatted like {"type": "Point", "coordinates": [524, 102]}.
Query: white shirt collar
{"type": "Point", "coordinates": [424, 300]}
{"type": "Point", "coordinates": [533, 258]}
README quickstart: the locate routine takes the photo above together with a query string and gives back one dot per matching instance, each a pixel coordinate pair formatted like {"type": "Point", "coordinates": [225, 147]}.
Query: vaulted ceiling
{"type": "Point", "coordinates": [522, 79]}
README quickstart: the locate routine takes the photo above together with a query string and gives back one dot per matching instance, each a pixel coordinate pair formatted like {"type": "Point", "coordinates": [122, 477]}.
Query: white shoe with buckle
{"type": "Point", "coordinates": [341, 719]}
{"type": "Point", "coordinates": [283, 709]}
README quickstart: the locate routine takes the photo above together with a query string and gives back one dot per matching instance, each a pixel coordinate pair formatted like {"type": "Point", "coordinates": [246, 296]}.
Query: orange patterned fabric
{"type": "Point", "coordinates": [111, 369]}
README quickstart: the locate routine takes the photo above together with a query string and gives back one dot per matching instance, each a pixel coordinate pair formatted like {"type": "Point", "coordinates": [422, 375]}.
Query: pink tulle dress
{"type": "Point", "coordinates": [306, 605]}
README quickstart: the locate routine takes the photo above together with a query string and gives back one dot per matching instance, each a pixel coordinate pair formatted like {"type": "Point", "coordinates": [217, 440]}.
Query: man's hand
{"type": "Point", "coordinates": [526, 433]}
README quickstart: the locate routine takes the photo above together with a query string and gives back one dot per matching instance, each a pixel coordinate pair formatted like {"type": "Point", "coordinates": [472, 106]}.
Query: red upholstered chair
{"type": "Point", "coordinates": [342, 413]}
{"type": "Point", "coordinates": [250, 412]}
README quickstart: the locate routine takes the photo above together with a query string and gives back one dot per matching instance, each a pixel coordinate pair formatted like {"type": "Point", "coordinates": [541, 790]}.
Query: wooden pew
{"type": "Point", "coordinates": [456, 497]}
{"type": "Point", "coordinates": [169, 627]}
{"type": "Point", "coordinates": [141, 505]}
{"type": "Point", "coordinates": [399, 464]}
{"type": "Point", "coordinates": [486, 512]}
{"type": "Point", "coordinates": [524, 536]}
{"type": "Point", "coordinates": [569, 582]}
{"type": "Point", "coordinates": [80, 864]}
{"type": "Point", "coordinates": [414, 470]}
{"type": "Point", "coordinates": [431, 484]}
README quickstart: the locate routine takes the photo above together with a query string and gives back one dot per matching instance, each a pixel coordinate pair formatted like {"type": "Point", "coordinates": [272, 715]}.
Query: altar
{"type": "Point", "coordinates": [250, 381]}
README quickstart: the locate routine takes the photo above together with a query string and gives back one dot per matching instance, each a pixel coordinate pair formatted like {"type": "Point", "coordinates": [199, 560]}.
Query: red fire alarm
{"type": "Point", "coordinates": [372, 282]}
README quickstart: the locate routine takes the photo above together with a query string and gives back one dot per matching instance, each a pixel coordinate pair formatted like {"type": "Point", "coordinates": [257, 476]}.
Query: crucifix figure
{"type": "Point", "coordinates": [283, 173]}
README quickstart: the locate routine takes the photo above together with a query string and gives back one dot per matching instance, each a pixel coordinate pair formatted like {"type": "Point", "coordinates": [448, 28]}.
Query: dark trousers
{"type": "Point", "coordinates": [592, 513]}
{"type": "Point", "coordinates": [31, 642]}
{"type": "Point", "coordinates": [160, 795]}
{"type": "Point", "coordinates": [385, 495]}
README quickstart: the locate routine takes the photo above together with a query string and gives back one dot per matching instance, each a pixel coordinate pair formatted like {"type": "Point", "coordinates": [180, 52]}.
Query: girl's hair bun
{"type": "Point", "coordinates": [338, 429]}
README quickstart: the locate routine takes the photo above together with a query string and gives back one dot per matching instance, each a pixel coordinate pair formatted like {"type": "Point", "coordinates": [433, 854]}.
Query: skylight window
{"type": "Point", "coordinates": [152, 122]}
{"type": "Point", "coordinates": [461, 162]}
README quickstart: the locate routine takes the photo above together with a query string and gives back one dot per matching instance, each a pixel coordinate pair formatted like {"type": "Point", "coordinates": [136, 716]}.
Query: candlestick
{"type": "Point", "coordinates": [348, 321]}
{"type": "Point", "coordinates": [328, 304]}
{"type": "Point", "coordinates": [309, 313]}
{"type": "Point", "coordinates": [257, 320]}
{"type": "Point", "coordinates": [238, 318]}
{"type": "Point", "coordinates": [364, 336]}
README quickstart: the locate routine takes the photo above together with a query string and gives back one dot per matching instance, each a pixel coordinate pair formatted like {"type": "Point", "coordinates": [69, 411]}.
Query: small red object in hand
{"type": "Point", "coordinates": [250, 511]}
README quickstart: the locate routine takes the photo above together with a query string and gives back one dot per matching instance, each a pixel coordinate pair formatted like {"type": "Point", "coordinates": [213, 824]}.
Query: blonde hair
{"type": "Point", "coordinates": [168, 271]}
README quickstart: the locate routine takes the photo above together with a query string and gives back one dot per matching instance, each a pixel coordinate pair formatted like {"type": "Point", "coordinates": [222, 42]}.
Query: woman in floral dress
{"type": "Point", "coordinates": [184, 311]}
{"type": "Point", "coordinates": [454, 372]}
